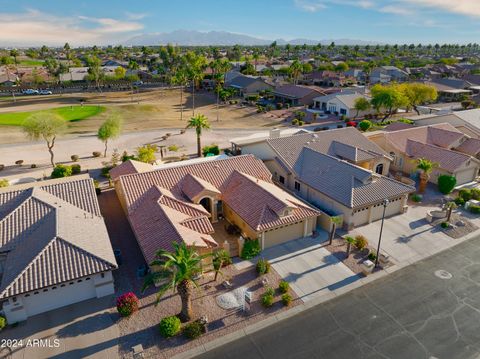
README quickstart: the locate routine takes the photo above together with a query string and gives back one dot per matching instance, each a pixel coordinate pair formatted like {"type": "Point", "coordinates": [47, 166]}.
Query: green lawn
{"type": "Point", "coordinates": [69, 113]}
{"type": "Point", "coordinates": [31, 62]}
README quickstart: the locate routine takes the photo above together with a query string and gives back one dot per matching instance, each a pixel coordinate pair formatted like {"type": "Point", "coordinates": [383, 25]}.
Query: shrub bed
{"type": "Point", "coordinates": [283, 286]}
{"type": "Point", "coordinates": [251, 248]}
{"type": "Point", "coordinates": [262, 267]}
{"type": "Point", "coordinates": [170, 326]}
{"type": "Point", "coordinates": [194, 329]}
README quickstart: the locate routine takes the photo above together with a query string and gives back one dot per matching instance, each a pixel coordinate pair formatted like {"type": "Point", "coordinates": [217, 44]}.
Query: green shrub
{"type": "Point", "coordinates": [416, 197]}
{"type": "Point", "coordinates": [76, 169]}
{"type": "Point", "coordinates": [295, 121]}
{"type": "Point", "coordinates": [194, 329]}
{"type": "Point", "coordinates": [74, 158]}
{"type": "Point", "coordinates": [4, 183]}
{"type": "Point", "coordinates": [269, 291]}
{"type": "Point", "coordinates": [263, 266]}
{"type": "Point", "coordinates": [106, 171]}
{"type": "Point", "coordinates": [286, 299]}
{"type": "Point", "coordinates": [210, 150]}
{"type": "Point", "coordinates": [365, 125]}
{"type": "Point", "coordinates": [301, 123]}
{"type": "Point", "coordinates": [446, 183]}
{"type": "Point", "coordinates": [372, 256]}
{"type": "Point", "coordinates": [61, 171]}
{"type": "Point", "coordinates": [444, 224]}
{"type": "Point", "coordinates": [283, 286]}
{"type": "Point", "coordinates": [33, 165]}
{"type": "Point", "coordinates": [251, 249]}
{"type": "Point", "coordinates": [475, 193]}
{"type": "Point", "coordinates": [3, 322]}
{"type": "Point", "coordinates": [221, 257]}
{"type": "Point", "coordinates": [96, 154]}
{"type": "Point", "coordinates": [267, 300]}
{"type": "Point", "coordinates": [459, 201]}
{"type": "Point", "coordinates": [170, 326]}
{"type": "Point", "coordinates": [474, 209]}
{"type": "Point", "coordinates": [173, 148]}
{"type": "Point", "coordinates": [361, 242]}
{"type": "Point", "coordinates": [465, 193]}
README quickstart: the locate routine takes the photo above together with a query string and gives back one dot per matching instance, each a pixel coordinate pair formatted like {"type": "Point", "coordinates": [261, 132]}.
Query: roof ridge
{"type": "Point", "coordinates": [22, 202]}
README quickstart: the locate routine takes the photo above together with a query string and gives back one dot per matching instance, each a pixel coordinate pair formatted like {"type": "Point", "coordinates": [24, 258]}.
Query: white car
{"type": "Point", "coordinates": [45, 92]}
{"type": "Point", "coordinates": [30, 92]}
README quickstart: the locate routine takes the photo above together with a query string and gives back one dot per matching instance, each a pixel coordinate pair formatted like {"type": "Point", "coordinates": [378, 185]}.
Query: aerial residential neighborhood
{"type": "Point", "coordinates": [296, 179]}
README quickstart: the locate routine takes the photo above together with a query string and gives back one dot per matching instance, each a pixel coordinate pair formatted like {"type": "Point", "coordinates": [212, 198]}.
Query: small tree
{"type": "Point", "coordinates": [426, 167]}
{"type": "Point", "coordinates": [110, 129]}
{"type": "Point", "coordinates": [365, 125]}
{"type": "Point", "coordinates": [147, 153]}
{"type": "Point", "coordinates": [450, 206]}
{"type": "Point", "coordinates": [46, 125]}
{"type": "Point", "coordinates": [361, 104]}
{"type": "Point", "coordinates": [350, 241]}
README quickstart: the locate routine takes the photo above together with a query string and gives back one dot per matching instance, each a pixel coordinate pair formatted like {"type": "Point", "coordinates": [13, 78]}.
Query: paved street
{"type": "Point", "coordinates": [417, 312]}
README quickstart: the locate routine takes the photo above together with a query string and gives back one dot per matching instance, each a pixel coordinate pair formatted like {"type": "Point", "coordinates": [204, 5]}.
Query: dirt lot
{"type": "Point", "coordinates": [149, 109]}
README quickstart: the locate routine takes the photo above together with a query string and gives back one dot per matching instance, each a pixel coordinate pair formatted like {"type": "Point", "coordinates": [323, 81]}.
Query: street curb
{"type": "Point", "coordinates": [244, 332]}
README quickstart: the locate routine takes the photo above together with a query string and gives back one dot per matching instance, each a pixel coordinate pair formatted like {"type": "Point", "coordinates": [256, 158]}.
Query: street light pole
{"type": "Point", "coordinates": [385, 204]}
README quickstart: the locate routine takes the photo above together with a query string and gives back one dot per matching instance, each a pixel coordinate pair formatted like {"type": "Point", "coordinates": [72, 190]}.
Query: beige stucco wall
{"type": "Point", "coordinates": [234, 218]}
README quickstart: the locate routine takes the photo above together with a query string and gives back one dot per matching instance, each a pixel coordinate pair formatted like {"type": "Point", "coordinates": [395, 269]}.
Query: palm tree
{"type": "Point", "coordinates": [180, 78]}
{"type": "Point", "coordinates": [220, 68]}
{"type": "Point", "coordinates": [177, 270]}
{"type": "Point", "coordinates": [295, 70]}
{"type": "Point", "coordinates": [199, 123]}
{"type": "Point", "coordinates": [196, 64]}
{"type": "Point", "coordinates": [426, 167]}
{"type": "Point", "coordinates": [450, 206]}
{"type": "Point", "coordinates": [350, 241]}
{"type": "Point", "coordinates": [336, 221]}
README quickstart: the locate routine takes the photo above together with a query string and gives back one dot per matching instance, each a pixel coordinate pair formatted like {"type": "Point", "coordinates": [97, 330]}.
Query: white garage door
{"type": "Point", "coordinates": [393, 208]}
{"type": "Point", "coordinates": [360, 217]}
{"type": "Point", "coordinates": [465, 176]}
{"type": "Point", "coordinates": [59, 297]}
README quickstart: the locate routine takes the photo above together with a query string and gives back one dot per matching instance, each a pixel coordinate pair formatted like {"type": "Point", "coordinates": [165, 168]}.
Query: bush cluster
{"type": "Point", "coordinates": [3, 322]}
{"type": "Point", "coordinates": [365, 125]}
{"type": "Point", "coordinates": [210, 150]}
{"type": "Point", "coordinates": [251, 248]}
{"type": "Point", "coordinates": [267, 297]}
{"type": "Point", "coordinates": [61, 171]}
{"type": "Point", "coordinates": [194, 329]}
{"type": "Point", "coordinates": [444, 224]}
{"type": "Point", "coordinates": [170, 326]}
{"type": "Point", "coordinates": [263, 266]}
{"type": "Point", "coordinates": [283, 286]}
{"type": "Point", "coordinates": [446, 183]}
{"type": "Point", "coordinates": [361, 242]}
{"type": "Point", "coordinates": [127, 304]}
{"type": "Point", "coordinates": [416, 197]}
{"type": "Point", "coordinates": [286, 299]}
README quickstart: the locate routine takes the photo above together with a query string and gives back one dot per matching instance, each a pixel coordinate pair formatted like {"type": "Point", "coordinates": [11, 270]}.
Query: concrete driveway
{"type": "Point", "coordinates": [407, 237]}
{"type": "Point", "coordinates": [310, 269]}
{"type": "Point", "coordinates": [83, 330]}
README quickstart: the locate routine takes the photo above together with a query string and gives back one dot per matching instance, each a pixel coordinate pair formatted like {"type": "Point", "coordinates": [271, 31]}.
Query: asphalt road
{"type": "Point", "coordinates": [410, 314]}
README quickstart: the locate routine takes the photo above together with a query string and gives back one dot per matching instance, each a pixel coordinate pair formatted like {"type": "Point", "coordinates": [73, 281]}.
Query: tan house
{"type": "Point", "coordinates": [452, 151]}
{"type": "Point", "coordinates": [339, 171]}
{"type": "Point", "coordinates": [183, 202]}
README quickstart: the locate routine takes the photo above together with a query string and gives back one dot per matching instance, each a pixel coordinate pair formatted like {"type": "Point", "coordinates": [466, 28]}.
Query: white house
{"type": "Point", "coordinates": [341, 103]}
{"type": "Point", "coordinates": [54, 247]}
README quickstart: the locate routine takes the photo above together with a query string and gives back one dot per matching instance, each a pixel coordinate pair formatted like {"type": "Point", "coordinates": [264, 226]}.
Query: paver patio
{"type": "Point", "coordinates": [310, 269]}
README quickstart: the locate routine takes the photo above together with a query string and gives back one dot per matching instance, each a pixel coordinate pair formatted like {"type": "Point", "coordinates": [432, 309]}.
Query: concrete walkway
{"type": "Point", "coordinates": [311, 270]}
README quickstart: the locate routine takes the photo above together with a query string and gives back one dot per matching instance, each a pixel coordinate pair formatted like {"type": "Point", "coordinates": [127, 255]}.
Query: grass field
{"type": "Point", "coordinates": [68, 113]}
{"type": "Point", "coordinates": [31, 62]}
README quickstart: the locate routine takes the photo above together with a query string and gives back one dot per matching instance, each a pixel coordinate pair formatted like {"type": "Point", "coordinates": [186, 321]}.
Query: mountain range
{"type": "Point", "coordinates": [198, 38]}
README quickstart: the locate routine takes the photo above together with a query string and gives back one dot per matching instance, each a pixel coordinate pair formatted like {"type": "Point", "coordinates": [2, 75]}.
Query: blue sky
{"type": "Point", "coordinates": [87, 22]}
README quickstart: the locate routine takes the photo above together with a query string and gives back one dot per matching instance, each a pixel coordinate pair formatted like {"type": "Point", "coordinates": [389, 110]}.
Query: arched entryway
{"type": "Point", "coordinates": [206, 202]}
{"type": "Point", "coordinates": [379, 169]}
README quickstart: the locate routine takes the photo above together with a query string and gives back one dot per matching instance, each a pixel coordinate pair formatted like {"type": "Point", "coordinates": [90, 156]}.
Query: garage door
{"type": "Point", "coordinates": [283, 234]}
{"type": "Point", "coordinates": [360, 217]}
{"type": "Point", "coordinates": [393, 208]}
{"type": "Point", "coordinates": [465, 176]}
{"type": "Point", "coordinates": [59, 297]}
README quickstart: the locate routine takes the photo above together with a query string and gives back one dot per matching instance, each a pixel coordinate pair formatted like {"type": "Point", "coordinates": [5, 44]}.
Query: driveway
{"type": "Point", "coordinates": [310, 269]}
{"type": "Point", "coordinates": [407, 237]}
{"type": "Point", "coordinates": [82, 330]}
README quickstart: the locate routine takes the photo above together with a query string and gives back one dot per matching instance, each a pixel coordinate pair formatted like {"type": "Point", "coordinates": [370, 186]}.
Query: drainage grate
{"type": "Point", "coordinates": [443, 274]}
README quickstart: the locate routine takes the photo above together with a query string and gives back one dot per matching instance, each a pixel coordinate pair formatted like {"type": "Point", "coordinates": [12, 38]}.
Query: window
{"type": "Point", "coordinates": [379, 169]}
{"type": "Point", "coordinates": [297, 186]}
{"type": "Point", "coordinates": [343, 111]}
{"type": "Point", "coordinates": [281, 179]}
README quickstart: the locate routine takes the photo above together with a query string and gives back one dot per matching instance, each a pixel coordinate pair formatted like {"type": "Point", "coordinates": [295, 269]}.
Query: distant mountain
{"type": "Point", "coordinates": [198, 38]}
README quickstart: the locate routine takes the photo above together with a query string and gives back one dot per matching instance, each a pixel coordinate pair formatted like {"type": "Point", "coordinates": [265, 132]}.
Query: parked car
{"type": "Point", "coordinates": [45, 92]}
{"type": "Point", "coordinates": [138, 83]}
{"type": "Point", "coordinates": [30, 92]}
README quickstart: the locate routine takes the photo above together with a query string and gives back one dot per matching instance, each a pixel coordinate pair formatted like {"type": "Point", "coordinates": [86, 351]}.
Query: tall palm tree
{"type": "Point", "coordinates": [336, 221]}
{"type": "Point", "coordinates": [426, 167]}
{"type": "Point", "coordinates": [199, 123]}
{"type": "Point", "coordinates": [295, 70]}
{"type": "Point", "coordinates": [196, 65]}
{"type": "Point", "coordinates": [220, 68]}
{"type": "Point", "coordinates": [180, 78]}
{"type": "Point", "coordinates": [177, 270]}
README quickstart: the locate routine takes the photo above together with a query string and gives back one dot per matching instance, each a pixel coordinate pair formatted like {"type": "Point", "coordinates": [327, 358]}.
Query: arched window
{"type": "Point", "coordinates": [379, 169]}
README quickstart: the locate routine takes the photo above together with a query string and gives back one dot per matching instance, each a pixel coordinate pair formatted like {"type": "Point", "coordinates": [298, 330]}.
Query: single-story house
{"type": "Point", "coordinates": [339, 171]}
{"type": "Point", "coordinates": [442, 143]}
{"type": "Point", "coordinates": [179, 203]}
{"type": "Point", "coordinates": [297, 95]}
{"type": "Point", "coordinates": [341, 103]}
{"type": "Point", "coordinates": [248, 85]}
{"type": "Point", "coordinates": [54, 247]}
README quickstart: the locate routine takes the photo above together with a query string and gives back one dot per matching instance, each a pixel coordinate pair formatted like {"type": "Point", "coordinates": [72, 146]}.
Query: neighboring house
{"type": "Point", "coordinates": [296, 95]}
{"type": "Point", "coordinates": [80, 73]}
{"type": "Point", "coordinates": [467, 121]}
{"type": "Point", "coordinates": [342, 103]}
{"type": "Point", "coordinates": [248, 85]}
{"type": "Point", "coordinates": [443, 144]}
{"type": "Point", "coordinates": [328, 78]}
{"type": "Point", "coordinates": [395, 73]}
{"type": "Point", "coordinates": [54, 247]}
{"type": "Point", "coordinates": [180, 202]}
{"type": "Point", "coordinates": [339, 171]}
{"type": "Point", "coordinates": [7, 79]}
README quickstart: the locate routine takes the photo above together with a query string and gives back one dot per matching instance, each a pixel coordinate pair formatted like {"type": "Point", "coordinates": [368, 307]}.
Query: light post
{"type": "Point", "coordinates": [385, 204]}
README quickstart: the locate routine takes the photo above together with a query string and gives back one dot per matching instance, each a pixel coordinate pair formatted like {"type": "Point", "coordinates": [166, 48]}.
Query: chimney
{"type": "Point", "coordinates": [275, 133]}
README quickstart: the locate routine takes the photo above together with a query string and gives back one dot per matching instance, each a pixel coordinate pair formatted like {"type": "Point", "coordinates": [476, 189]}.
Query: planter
{"type": "Point", "coordinates": [367, 267]}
